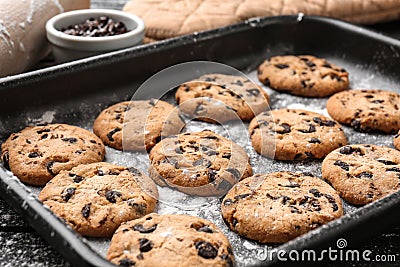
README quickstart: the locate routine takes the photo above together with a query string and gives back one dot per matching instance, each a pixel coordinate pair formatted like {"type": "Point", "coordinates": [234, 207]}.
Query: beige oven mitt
{"type": "Point", "coordinates": [22, 31]}
{"type": "Point", "coordinates": [170, 18]}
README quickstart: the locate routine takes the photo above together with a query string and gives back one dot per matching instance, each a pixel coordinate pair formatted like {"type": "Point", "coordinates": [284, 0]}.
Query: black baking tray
{"type": "Point", "coordinates": [88, 85]}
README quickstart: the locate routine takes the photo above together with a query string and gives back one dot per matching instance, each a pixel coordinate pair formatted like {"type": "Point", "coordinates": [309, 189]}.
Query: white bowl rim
{"type": "Point", "coordinates": [88, 39]}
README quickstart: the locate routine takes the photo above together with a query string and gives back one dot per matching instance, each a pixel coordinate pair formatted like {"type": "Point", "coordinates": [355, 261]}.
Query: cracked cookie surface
{"type": "Point", "coordinates": [94, 199]}
{"type": "Point", "coordinates": [36, 154]}
{"type": "Point", "coordinates": [363, 173]}
{"type": "Point", "coordinates": [200, 163]}
{"type": "Point", "coordinates": [174, 240]}
{"type": "Point", "coordinates": [303, 75]}
{"type": "Point", "coordinates": [137, 125]}
{"type": "Point", "coordinates": [220, 98]}
{"type": "Point", "coordinates": [366, 110]}
{"type": "Point", "coordinates": [277, 207]}
{"type": "Point", "coordinates": [291, 134]}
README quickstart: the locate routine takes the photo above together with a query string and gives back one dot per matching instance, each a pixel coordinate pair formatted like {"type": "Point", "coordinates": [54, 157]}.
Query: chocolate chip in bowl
{"type": "Point", "coordinates": [84, 33]}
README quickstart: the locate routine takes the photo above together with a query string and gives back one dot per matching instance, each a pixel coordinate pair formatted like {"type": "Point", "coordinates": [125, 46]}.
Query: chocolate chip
{"type": "Point", "coordinates": [206, 250]}
{"type": "Point", "coordinates": [309, 154]}
{"type": "Point", "coordinates": [145, 245]}
{"type": "Point", "coordinates": [326, 65]}
{"type": "Point", "coordinates": [208, 79]}
{"type": "Point", "coordinates": [281, 66]}
{"type": "Point", "coordinates": [126, 262]}
{"type": "Point", "coordinates": [314, 141]}
{"type": "Point", "coordinates": [111, 195]}
{"type": "Point", "coordinates": [211, 137]}
{"type": "Point", "coordinates": [140, 256]}
{"type": "Point", "coordinates": [86, 210]}
{"type": "Point", "coordinates": [387, 162]}
{"type": "Point", "coordinates": [253, 92]}
{"type": "Point", "coordinates": [134, 171]}
{"type": "Point", "coordinates": [49, 167]}
{"type": "Point", "coordinates": [394, 169]}
{"type": "Point", "coordinates": [241, 196]}
{"type": "Point", "coordinates": [356, 125]}
{"type": "Point", "coordinates": [141, 208]}
{"type": "Point", "coordinates": [315, 192]}
{"type": "Point", "coordinates": [34, 155]}
{"type": "Point", "coordinates": [378, 101]}
{"type": "Point", "coordinates": [228, 202]}
{"type": "Point", "coordinates": [211, 152]}
{"type": "Point", "coordinates": [72, 140]}
{"type": "Point", "coordinates": [286, 128]}
{"type": "Point", "coordinates": [310, 64]}
{"type": "Point", "coordinates": [5, 160]}
{"type": "Point", "coordinates": [96, 27]}
{"type": "Point", "coordinates": [140, 228]}
{"type": "Point", "coordinates": [294, 209]}
{"type": "Point", "coordinates": [308, 174]}
{"type": "Point", "coordinates": [290, 185]}
{"type": "Point", "coordinates": [43, 131]}
{"type": "Point", "coordinates": [100, 172]}
{"type": "Point", "coordinates": [68, 193]}
{"type": "Point", "coordinates": [303, 84]}
{"type": "Point", "coordinates": [77, 179]}
{"type": "Point", "coordinates": [14, 137]}
{"type": "Point", "coordinates": [226, 156]}
{"type": "Point", "coordinates": [267, 82]}
{"type": "Point", "coordinates": [211, 175]}
{"type": "Point", "coordinates": [332, 201]}
{"type": "Point", "coordinates": [238, 82]}
{"type": "Point", "coordinates": [367, 175]}
{"type": "Point", "coordinates": [111, 133]}
{"type": "Point", "coordinates": [205, 229]}
{"type": "Point", "coordinates": [342, 165]}
{"type": "Point", "coordinates": [234, 172]}
{"type": "Point", "coordinates": [346, 150]}
{"type": "Point", "coordinates": [285, 199]}
{"type": "Point", "coordinates": [178, 150]}
{"type": "Point", "coordinates": [311, 129]}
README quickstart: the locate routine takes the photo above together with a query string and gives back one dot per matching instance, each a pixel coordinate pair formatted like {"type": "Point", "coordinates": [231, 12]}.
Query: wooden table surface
{"type": "Point", "coordinates": [20, 245]}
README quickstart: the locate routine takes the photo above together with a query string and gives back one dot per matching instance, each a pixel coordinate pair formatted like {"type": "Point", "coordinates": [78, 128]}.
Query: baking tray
{"type": "Point", "coordinates": [76, 92]}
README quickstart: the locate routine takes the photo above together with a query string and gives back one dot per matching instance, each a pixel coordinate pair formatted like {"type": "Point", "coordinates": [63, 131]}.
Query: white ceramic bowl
{"type": "Point", "coordinates": [69, 47]}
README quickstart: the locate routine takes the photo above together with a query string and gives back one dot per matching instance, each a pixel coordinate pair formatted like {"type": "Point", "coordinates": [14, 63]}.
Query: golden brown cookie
{"type": "Point", "coordinates": [363, 173]}
{"type": "Point", "coordinates": [94, 199]}
{"type": "Point", "coordinates": [221, 98]}
{"type": "Point", "coordinates": [37, 154]}
{"type": "Point", "coordinates": [137, 125]}
{"type": "Point", "coordinates": [303, 75]}
{"type": "Point", "coordinates": [173, 240]}
{"type": "Point", "coordinates": [277, 207]}
{"type": "Point", "coordinates": [199, 163]}
{"type": "Point", "coordinates": [291, 134]}
{"type": "Point", "coordinates": [366, 110]}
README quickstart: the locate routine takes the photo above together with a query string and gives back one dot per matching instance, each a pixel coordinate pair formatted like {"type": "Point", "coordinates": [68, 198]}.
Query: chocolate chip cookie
{"type": "Point", "coordinates": [37, 154]}
{"type": "Point", "coordinates": [291, 134]}
{"type": "Point", "coordinates": [221, 98]}
{"type": "Point", "coordinates": [303, 76]}
{"type": "Point", "coordinates": [277, 207]}
{"type": "Point", "coordinates": [94, 199]}
{"type": "Point", "coordinates": [363, 173]}
{"type": "Point", "coordinates": [366, 110]}
{"type": "Point", "coordinates": [137, 125]}
{"type": "Point", "coordinates": [199, 163]}
{"type": "Point", "coordinates": [173, 240]}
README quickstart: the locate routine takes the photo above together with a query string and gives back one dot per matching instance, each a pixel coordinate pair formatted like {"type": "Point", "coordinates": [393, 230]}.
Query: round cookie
{"type": "Point", "coordinates": [174, 240]}
{"type": "Point", "coordinates": [94, 199]}
{"type": "Point", "coordinates": [303, 75]}
{"type": "Point", "coordinates": [396, 141]}
{"type": "Point", "coordinates": [290, 134]}
{"type": "Point", "coordinates": [277, 207]}
{"type": "Point", "coordinates": [137, 125]}
{"type": "Point", "coordinates": [199, 163]}
{"type": "Point", "coordinates": [366, 110]}
{"type": "Point", "coordinates": [363, 173]}
{"type": "Point", "coordinates": [37, 154]}
{"type": "Point", "coordinates": [221, 98]}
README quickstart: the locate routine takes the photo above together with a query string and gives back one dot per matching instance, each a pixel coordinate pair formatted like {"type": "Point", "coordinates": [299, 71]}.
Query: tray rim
{"type": "Point", "coordinates": [47, 220]}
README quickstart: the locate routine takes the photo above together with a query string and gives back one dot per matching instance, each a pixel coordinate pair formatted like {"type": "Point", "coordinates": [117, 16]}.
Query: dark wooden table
{"type": "Point", "coordinates": [20, 245]}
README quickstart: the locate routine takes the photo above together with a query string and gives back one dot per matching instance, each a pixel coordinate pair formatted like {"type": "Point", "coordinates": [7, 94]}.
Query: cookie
{"type": "Point", "coordinates": [277, 207]}
{"type": "Point", "coordinates": [199, 163]}
{"type": "Point", "coordinates": [37, 154]}
{"type": "Point", "coordinates": [137, 125]}
{"type": "Point", "coordinates": [173, 240]}
{"type": "Point", "coordinates": [396, 141]}
{"type": "Point", "coordinates": [94, 199]}
{"type": "Point", "coordinates": [363, 173]}
{"type": "Point", "coordinates": [366, 110]}
{"type": "Point", "coordinates": [303, 76]}
{"type": "Point", "coordinates": [221, 98]}
{"type": "Point", "coordinates": [291, 134]}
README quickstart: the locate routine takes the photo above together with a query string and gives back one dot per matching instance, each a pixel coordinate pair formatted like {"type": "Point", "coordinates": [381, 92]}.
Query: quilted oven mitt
{"type": "Point", "coordinates": [170, 18]}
